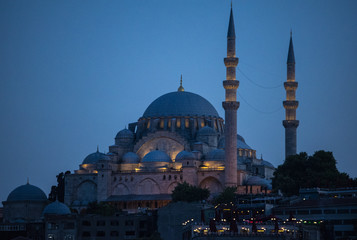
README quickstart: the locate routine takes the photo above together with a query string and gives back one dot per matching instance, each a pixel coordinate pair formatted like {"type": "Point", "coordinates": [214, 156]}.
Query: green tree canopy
{"type": "Point", "coordinates": [227, 196]}
{"type": "Point", "coordinates": [303, 171]}
{"type": "Point", "coordinates": [187, 193]}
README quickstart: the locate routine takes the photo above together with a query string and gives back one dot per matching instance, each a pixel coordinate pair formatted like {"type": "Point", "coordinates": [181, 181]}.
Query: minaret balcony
{"type": "Point", "coordinates": [230, 105]}
{"type": "Point", "coordinates": [291, 123]}
{"type": "Point", "coordinates": [231, 62]}
{"type": "Point", "coordinates": [230, 84]}
{"type": "Point", "coordinates": [291, 104]}
{"type": "Point", "coordinates": [290, 86]}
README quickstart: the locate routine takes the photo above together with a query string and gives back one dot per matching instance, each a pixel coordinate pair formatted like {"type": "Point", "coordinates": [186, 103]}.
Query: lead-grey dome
{"type": "Point", "coordinates": [258, 181]}
{"type": "Point", "coordinates": [207, 131]}
{"type": "Point", "coordinates": [240, 143]}
{"type": "Point", "coordinates": [56, 208]}
{"type": "Point", "coordinates": [27, 192]}
{"type": "Point", "coordinates": [216, 155]}
{"type": "Point", "coordinates": [124, 136]}
{"type": "Point", "coordinates": [180, 104]}
{"type": "Point", "coordinates": [156, 156]}
{"type": "Point", "coordinates": [184, 155]}
{"type": "Point", "coordinates": [131, 157]}
{"type": "Point", "coordinates": [93, 158]}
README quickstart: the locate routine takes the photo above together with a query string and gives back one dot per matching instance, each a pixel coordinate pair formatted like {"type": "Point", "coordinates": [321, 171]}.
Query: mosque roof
{"type": "Point", "coordinates": [216, 155]}
{"type": "Point", "coordinates": [93, 158]}
{"type": "Point", "coordinates": [156, 156]}
{"type": "Point", "coordinates": [206, 130]}
{"type": "Point", "coordinates": [56, 208]}
{"type": "Point", "coordinates": [258, 181]}
{"type": "Point", "coordinates": [184, 155]}
{"type": "Point", "coordinates": [178, 104]}
{"type": "Point", "coordinates": [27, 192]}
{"type": "Point", "coordinates": [125, 134]}
{"type": "Point", "coordinates": [240, 143]}
{"type": "Point", "coordinates": [131, 157]}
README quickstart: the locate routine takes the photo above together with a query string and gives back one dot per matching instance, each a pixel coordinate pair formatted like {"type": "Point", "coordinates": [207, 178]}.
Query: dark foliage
{"type": "Point", "coordinates": [101, 208]}
{"type": "Point", "coordinates": [303, 171]}
{"type": "Point", "coordinates": [227, 196]}
{"type": "Point", "coordinates": [57, 192]}
{"type": "Point", "coordinates": [187, 193]}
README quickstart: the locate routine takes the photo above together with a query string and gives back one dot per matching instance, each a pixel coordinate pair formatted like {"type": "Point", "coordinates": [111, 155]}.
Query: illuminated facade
{"type": "Point", "coordinates": [180, 137]}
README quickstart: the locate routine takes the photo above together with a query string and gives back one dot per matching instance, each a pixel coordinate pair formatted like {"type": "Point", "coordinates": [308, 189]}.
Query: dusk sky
{"type": "Point", "coordinates": [74, 73]}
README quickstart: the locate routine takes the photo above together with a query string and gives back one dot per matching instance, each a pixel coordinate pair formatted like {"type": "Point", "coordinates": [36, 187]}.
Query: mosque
{"type": "Point", "coordinates": [179, 138]}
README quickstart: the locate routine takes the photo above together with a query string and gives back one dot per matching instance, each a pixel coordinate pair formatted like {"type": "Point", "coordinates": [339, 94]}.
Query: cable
{"type": "Point", "coordinates": [257, 84]}
{"type": "Point", "coordinates": [256, 109]}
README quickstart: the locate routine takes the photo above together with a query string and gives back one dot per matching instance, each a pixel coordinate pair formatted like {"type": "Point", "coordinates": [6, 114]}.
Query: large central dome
{"type": "Point", "coordinates": [180, 104]}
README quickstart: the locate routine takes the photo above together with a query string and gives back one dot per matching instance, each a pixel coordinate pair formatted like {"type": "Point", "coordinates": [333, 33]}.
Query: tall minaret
{"type": "Point", "coordinates": [230, 106]}
{"type": "Point", "coordinates": [290, 123]}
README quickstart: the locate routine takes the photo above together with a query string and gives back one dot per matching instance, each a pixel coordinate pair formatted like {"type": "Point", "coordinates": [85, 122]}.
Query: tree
{"type": "Point", "coordinates": [303, 171]}
{"type": "Point", "coordinates": [57, 192]}
{"type": "Point", "coordinates": [101, 208]}
{"type": "Point", "coordinates": [188, 193]}
{"type": "Point", "coordinates": [227, 196]}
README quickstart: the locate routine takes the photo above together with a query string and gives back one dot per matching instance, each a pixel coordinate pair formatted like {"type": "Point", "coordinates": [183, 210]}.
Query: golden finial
{"type": "Point", "coordinates": [181, 89]}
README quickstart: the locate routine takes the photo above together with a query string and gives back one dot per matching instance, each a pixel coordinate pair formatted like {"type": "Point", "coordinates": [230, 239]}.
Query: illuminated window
{"type": "Point", "coordinates": [162, 123]}
{"type": "Point", "coordinates": [178, 123]}
{"type": "Point", "coordinates": [169, 123]}
{"type": "Point", "coordinates": [148, 124]}
{"type": "Point", "coordinates": [202, 123]}
{"type": "Point", "coordinates": [187, 123]}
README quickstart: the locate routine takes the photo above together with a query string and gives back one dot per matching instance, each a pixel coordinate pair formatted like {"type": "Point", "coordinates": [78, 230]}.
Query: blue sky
{"type": "Point", "coordinates": [74, 73]}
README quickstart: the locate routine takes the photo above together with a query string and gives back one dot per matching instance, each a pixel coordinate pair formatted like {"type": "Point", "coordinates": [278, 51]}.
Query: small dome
{"type": "Point", "coordinates": [56, 208]}
{"type": "Point", "coordinates": [216, 155]}
{"type": "Point", "coordinates": [206, 131]}
{"type": "Point", "coordinates": [267, 164]}
{"type": "Point", "coordinates": [27, 192]}
{"type": "Point", "coordinates": [93, 158]}
{"type": "Point", "coordinates": [156, 156]}
{"type": "Point", "coordinates": [131, 157]}
{"type": "Point", "coordinates": [240, 143]}
{"type": "Point", "coordinates": [258, 181]}
{"type": "Point", "coordinates": [184, 155]}
{"type": "Point", "coordinates": [124, 136]}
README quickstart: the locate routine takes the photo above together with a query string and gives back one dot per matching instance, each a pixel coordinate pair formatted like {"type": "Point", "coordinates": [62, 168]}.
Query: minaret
{"type": "Point", "coordinates": [290, 123]}
{"type": "Point", "coordinates": [230, 106]}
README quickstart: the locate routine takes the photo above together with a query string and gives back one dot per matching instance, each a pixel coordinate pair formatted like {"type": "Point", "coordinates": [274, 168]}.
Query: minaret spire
{"type": "Point", "coordinates": [290, 123]}
{"type": "Point", "coordinates": [181, 89]}
{"type": "Point", "coordinates": [230, 106]}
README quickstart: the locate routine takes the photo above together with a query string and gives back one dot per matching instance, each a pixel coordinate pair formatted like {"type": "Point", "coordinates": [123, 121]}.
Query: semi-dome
{"type": "Point", "coordinates": [176, 104]}
{"type": "Point", "coordinates": [267, 164]}
{"type": "Point", "coordinates": [216, 155]}
{"type": "Point", "coordinates": [131, 157]}
{"type": "Point", "coordinates": [156, 156]}
{"type": "Point", "coordinates": [207, 131]}
{"type": "Point", "coordinates": [184, 155]}
{"type": "Point", "coordinates": [27, 192]}
{"type": "Point", "coordinates": [93, 158]}
{"type": "Point", "coordinates": [240, 143]}
{"type": "Point", "coordinates": [56, 208]}
{"type": "Point", "coordinates": [258, 181]}
{"type": "Point", "coordinates": [124, 136]}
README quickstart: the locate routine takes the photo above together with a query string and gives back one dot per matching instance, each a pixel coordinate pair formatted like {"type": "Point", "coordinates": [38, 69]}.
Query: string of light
{"type": "Point", "coordinates": [258, 110]}
{"type": "Point", "coordinates": [257, 84]}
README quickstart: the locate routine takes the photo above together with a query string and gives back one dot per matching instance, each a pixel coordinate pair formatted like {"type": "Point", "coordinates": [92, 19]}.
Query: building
{"type": "Point", "coordinates": [180, 137]}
